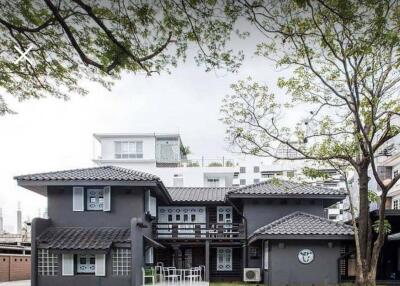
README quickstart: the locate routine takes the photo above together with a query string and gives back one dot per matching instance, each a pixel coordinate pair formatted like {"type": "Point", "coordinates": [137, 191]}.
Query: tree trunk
{"type": "Point", "coordinates": [363, 277]}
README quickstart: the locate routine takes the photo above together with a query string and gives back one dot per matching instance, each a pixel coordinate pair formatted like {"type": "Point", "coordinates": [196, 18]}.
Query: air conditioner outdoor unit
{"type": "Point", "coordinates": [252, 275]}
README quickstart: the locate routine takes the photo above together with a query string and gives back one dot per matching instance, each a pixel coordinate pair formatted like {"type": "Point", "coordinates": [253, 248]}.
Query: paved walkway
{"type": "Point", "coordinates": [16, 283]}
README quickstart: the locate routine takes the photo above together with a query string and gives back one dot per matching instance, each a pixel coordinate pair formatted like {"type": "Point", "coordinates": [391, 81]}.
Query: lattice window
{"type": "Point", "coordinates": [47, 263]}
{"type": "Point", "coordinates": [342, 262]}
{"type": "Point", "coordinates": [121, 261]}
{"type": "Point", "coordinates": [224, 259]}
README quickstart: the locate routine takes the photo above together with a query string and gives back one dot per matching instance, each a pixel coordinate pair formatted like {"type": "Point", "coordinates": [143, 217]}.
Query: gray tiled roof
{"type": "Point", "coordinates": [90, 238]}
{"type": "Point", "coordinates": [106, 173]}
{"type": "Point", "coordinates": [198, 194]}
{"type": "Point", "coordinates": [281, 187]}
{"type": "Point", "coordinates": [300, 223]}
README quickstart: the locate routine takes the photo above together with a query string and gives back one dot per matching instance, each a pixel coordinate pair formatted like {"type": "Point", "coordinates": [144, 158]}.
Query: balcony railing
{"type": "Point", "coordinates": [208, 162]}
{"type": "Point", "coordinates": [217, 231]}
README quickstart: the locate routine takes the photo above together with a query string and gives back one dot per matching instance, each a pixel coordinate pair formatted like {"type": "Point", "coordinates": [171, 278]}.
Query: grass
{"type": "Point", "coordinates": [231, 284]}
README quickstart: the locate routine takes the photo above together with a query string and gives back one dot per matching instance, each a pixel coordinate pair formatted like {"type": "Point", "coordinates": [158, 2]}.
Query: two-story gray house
{"type": "Point", "coordinates": [106, 223]}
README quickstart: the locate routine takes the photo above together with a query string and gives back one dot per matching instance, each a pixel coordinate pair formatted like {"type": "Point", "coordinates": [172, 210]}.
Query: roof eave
{"type": "Point", "coordinates": [286, 196]}
{"type": "Point", "coordinates": [255, 237]}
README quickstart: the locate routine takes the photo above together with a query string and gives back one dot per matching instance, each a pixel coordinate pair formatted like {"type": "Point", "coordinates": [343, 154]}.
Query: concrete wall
{"type": "Point", "coordinates": [286, 269]}
{"type": "Point", "coordinates": [262, 212]}
{"type": "Point", "coordinates": [15, 267]}
{"type": "Point", "coordinates": [125, 204]}
{"type": "Point", "coordinates": [192, 176]}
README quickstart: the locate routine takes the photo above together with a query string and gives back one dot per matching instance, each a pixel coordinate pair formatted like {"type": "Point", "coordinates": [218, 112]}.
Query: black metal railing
{"type": "Point", "coordinates": [219, 231]}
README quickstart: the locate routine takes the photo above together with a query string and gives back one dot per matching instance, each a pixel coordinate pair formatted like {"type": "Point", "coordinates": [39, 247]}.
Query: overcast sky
{"type": "Point", "coordinates": [51, 134]}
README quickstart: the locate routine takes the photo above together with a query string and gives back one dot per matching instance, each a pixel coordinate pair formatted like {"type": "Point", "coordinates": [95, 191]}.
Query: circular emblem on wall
{"type": "Point", "coordinates": [306, 256]}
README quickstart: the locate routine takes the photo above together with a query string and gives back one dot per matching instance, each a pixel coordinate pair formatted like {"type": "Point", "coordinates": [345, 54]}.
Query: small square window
{"type": "Point", "coordinates": [256, 169]}
{"type": "Point", "coordinates": [242, 170]}
{"type": "Point", "coordinates": [242, 182]}
{"type": "Point", "coordinates": [95, 199]}
{"type": "Point", "coordinates": [256, 181]}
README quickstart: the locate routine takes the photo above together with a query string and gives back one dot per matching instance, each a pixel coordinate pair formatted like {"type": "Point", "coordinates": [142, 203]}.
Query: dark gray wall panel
{"type": "Point", "coordinates": [286, 269]}
{"type": "Point", "coordinates": [260, 213]}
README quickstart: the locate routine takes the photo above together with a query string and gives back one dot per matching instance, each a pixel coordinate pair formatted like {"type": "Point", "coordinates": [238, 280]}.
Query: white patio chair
{"type": "Point", "coordinates": [147, 276]}
{"type": "Point", "coordinates": [194, 276]}
{"type": "Point", "coordinates": [171, 275]}
{"type": "Point", "coordinates": [202, 272]}
{"type": "Point", "coordinates": [159, 273]}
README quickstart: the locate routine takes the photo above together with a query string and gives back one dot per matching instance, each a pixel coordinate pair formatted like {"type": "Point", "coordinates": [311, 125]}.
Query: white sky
{"type": "Point", "coordinates": [51, 134]}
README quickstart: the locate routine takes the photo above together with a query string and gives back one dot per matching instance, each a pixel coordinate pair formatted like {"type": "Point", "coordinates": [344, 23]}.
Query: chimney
{"type": "Point", "coordinates": [19, 219]}
{"type": "Point", "coordinates": [1, 222]}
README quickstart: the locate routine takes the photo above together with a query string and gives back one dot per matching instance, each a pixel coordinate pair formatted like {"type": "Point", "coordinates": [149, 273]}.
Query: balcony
{"type": "Point", "coordinates": [198, 231]}
{"type": "Point", "coordinates": [201, 162]}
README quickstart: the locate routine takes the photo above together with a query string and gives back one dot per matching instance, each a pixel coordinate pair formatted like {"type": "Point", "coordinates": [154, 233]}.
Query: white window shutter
{"type": "Point", "coordinates": [67, 264]}
{"type": "Point", "coordinates": [78, 199]}
{"type": "Point", "coordinates": [149, 255]}
{"type": "Point", "coordinates": [147, 201]}
{"type": "Point", "coordinates": [266, 255]}
{"type": "Point", "coordinates": [153, 206]}
{"type": "Point", "coordinates": [100, 268]}
{"type": "Point", "coordinates": [107, 199]}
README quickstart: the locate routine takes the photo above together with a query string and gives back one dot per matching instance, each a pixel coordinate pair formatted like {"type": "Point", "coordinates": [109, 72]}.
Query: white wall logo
{"type": "Point", "coordinates": [306, 256]}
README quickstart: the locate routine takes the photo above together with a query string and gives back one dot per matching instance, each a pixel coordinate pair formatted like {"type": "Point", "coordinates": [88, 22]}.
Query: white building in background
{"type": "Point", "coordinates": [388, 166]}
{"type": "Point", "coordinates": [164, 155]}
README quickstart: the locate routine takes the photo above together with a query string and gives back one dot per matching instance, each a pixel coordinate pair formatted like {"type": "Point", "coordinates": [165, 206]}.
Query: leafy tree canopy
{"type": "Point", "coordinates": [98, 40]}
{"type": "Point", "coordinates": [342, 62]}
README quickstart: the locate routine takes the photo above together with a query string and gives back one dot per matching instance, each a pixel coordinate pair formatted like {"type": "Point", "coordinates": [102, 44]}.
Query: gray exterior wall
{"type": "Point", "coordinates": [263, 211]}
{"type": "Point", "coordinates": [126, 203]}
{"type": "Point", "coordinates": [285, 268]}
{"type": "Point", "coordinates": [127, 210]}
{"type": "Point", "coordinates": [86, 280]}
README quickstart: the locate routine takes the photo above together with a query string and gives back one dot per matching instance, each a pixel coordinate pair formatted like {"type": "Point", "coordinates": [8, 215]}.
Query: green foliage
{"type": "Point", "coordinates": [387, 228]}
{"type": "Point", "coordinates": [193, 164]}
{"type": "Point", "coordinates": [341, 86]}
{"type": "Point", "coordinates": [185, 150]}
{"type": "Point", "coordinates": [314, 173]}
{"type": "Point", "coordinates": [99, 40]}
{"type": "Point", "coordinates": [229, 164]}
{"type": "Point", "coordinates": [372, 197]}
{"type": "Point", "coordinates": [215, 164]}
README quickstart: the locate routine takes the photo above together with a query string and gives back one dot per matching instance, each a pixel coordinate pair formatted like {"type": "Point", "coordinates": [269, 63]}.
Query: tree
{"type": "Point", "coordinates": [341, 103]}
{"type": "Point", "coordinates": [98, 40]}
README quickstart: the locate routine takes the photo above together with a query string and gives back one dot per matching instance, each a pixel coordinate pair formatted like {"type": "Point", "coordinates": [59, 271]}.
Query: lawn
{"type": "Point", "coordinates": [232, 284]}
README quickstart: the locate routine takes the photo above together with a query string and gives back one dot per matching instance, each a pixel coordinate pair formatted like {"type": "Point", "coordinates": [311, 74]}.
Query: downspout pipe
{"type": "Point", "coordinates": [245, 226]}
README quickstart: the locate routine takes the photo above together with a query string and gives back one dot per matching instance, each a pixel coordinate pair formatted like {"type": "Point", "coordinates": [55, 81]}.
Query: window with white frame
{"type": "Point", "coordinates": [86, 263]}
{"type": "Point", "coordinates": [242, 182]}
{"type": "Point", "coordinates": [47, 263]}
{"type": "Point", "coordinates": [94, 199]}
{"type": "Point", "coordinates": [213, 182]}
{"type": "Point", "coordinates": [396, 204]}
{"type": "Point", "coordinates": [128, 149]}
{"type": "Point", "coordinates": [224, 259]}
{"type": "Point", "coordinates": [121, 261]}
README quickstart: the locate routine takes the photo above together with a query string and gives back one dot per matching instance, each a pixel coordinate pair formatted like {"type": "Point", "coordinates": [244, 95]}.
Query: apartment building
{"type": "Point", "coordinates": [163, 154]}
